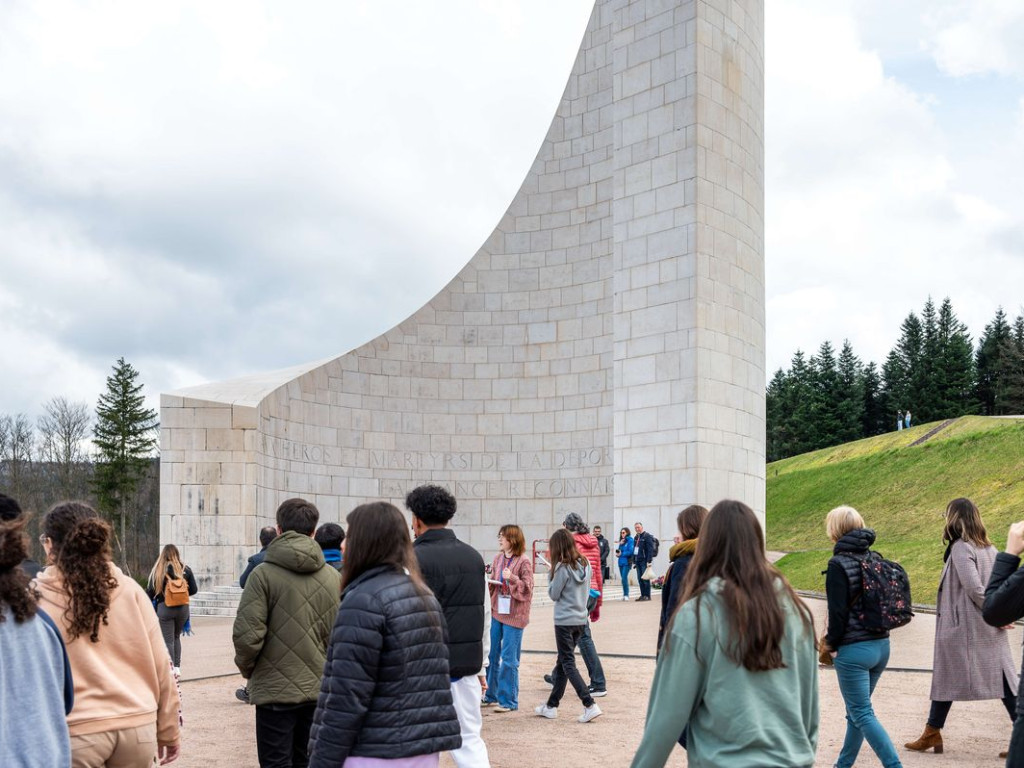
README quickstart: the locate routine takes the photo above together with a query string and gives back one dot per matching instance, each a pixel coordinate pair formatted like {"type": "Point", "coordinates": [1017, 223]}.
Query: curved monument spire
{"type": "Point", "coordinates": [602, 353]}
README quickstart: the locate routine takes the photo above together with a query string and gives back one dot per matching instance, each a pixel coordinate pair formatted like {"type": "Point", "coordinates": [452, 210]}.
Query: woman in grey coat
{"type": "Point", "coordinates": [972, 660]}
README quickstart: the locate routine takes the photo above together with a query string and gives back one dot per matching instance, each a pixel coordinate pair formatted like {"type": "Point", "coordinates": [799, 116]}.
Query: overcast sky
{"type": "Point", "coordinates": [218, 189]}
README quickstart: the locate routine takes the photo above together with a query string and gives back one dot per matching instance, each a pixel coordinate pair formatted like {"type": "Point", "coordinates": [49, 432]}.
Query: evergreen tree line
{"type": "Point", "coordinates": [106, 458]}
{"type": "Point", "coordinates": [934, 371]}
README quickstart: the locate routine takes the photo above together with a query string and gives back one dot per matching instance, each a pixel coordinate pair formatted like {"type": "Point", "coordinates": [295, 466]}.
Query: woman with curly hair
{"type": "Point", "coordinates": [169, 580]}
{"type": "Point", "coordinates": [35, 679]}
{"type": "Point", "coordinates": [126, 701]}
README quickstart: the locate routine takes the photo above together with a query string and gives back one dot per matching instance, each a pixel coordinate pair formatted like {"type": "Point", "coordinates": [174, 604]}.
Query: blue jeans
{"type": "Point", "coordinates": [858, 667]}
{"type": "Point", "coordinates": [624, 575]}
{"type": "Point", "coordinates": [503, 664]}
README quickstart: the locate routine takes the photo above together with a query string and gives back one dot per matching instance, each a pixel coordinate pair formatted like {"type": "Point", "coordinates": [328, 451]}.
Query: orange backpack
{"type": "Point", "coordinates": [175, 592]}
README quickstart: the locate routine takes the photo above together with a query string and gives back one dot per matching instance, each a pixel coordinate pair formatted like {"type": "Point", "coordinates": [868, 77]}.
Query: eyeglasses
{"type": "Point", "coordinates": [43, 538]}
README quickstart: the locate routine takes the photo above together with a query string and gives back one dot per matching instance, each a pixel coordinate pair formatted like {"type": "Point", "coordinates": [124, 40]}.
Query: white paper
{"type": "Point", "coordinates": [504, 604]}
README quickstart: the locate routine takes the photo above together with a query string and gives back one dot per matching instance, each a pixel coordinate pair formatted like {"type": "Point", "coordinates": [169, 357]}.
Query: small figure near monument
{"type": "Point", "coordinates": [454, 571]}
{"type": "Point", "coordinates": [739, 668]}
{"type": "Point", "coordinates": [906, 420]}
{"type": "Point", "coordinates": [280, 635]}
{"type": "Point", "coordinates": [386, 695]}
{"type": "Point", "coordinates": [645, 549]}
{"type": "Point", "coordinates": [899, 421]}
{"type": "Point", "coordinates": [170, 585]}
{"type": "Point", "coordinates": [569, 589]}
{"type": "Point", "coordinates": [624, 553]}
{"type": "Point", "coordinates": [511, 599]}
{"type": "Point", "coordinates": [972, 661]}
{"type": "Point", "coordinates": [606, 549]}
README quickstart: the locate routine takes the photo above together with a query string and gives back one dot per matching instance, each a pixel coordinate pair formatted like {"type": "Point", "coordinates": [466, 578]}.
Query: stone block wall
{"type": "Point", "coordinates": [602, 353]}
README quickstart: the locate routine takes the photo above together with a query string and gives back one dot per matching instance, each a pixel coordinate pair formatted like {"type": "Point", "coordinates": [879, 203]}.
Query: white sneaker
{"type": "Point", "coordinates": [589, 714]}
{"type": "Point", "coordinates": [549, 712]}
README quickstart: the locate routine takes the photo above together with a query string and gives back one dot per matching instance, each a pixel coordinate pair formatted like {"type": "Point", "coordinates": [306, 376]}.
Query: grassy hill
{"type": "Point", "coordinates": [901, 491]}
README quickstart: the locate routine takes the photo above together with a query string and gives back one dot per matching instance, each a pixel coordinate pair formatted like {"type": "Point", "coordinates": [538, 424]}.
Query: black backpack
{"type": "Point", "coordinates": [656, 545]}
{"type": "Point", "coordinates": [885, 602]}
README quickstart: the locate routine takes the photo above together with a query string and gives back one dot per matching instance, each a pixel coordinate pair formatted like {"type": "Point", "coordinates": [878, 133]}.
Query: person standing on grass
{"type": "Point", "coordinates": [1004, 604]}
{"type": "Point", "coordinates": [624, 553]}
{"type": "Point", "coordinates": [510, 613]}
{"type": "Point", "coordinates": [739, 667]}
{"type": "Point", "coordinates": [454, 571]}
{"type": "Point", "coordinates": [280, 634]}
{"type": "Point", "coordinates": [972, 660]}
{"type": "Point", "coordinates": [568, 588]}
{"type": "Point", "coordinates": [643, 555]}
{"type": "Point", "coordinates": [689, 522]}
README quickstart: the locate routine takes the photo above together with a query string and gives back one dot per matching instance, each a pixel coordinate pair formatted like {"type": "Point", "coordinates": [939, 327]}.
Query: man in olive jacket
{"type": "Point", "coordinates": [281, 632]}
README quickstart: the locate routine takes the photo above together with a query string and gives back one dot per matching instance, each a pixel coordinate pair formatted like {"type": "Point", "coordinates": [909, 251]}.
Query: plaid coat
{"type": "Point", "coordinates": [971, 658]}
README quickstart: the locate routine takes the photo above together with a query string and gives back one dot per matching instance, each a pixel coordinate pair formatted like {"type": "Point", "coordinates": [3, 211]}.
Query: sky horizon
{"type": "Point", "coordinates": [217, 191]}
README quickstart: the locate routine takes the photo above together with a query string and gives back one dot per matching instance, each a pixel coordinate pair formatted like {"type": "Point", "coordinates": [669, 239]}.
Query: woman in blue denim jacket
{"type": "Point", "coordinates": [625, 553]}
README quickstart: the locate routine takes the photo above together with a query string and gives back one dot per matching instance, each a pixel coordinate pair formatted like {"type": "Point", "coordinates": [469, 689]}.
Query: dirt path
{"type": "Point", "coordinates": [220, 731]}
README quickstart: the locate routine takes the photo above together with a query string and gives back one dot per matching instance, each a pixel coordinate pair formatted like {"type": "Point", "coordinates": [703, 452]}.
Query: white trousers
{"type": "Point", "coordinates": [466, 694]}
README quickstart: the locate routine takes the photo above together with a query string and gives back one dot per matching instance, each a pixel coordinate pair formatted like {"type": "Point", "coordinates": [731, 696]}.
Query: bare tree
{"type": "Point", "coordinates": [16, 449]}
{"type": "Point", "coordinates": [63, 430]}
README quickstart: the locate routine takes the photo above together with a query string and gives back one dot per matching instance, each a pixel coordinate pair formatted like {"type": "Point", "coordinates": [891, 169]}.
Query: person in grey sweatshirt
{"type": "Point", "coordinates": [568, 588]}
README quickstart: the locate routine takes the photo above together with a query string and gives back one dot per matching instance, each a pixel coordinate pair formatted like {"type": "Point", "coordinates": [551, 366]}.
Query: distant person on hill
{"type": "Point", "coordinates": [899, 421]}
{"type": "Point", "coordinates": [689, 522]}
{"type": "Point", "coordinates": [281, 632]}
{"type": "Point", "coordinates": [906, 420]}
{"type": "Point", "coordinates": [644, 552]}
{"type": "Point", "coordinates": [36, 690]}
{"type": "Point", "coordinates": [739, 668]}
{"type": "Point", "coordinates": [11, 510]}
{"type": "Point", "coordinates": [329, 536]}
{"type": "Point", "coordinates": [861, 654]}
{"type": "Point", "coordinates": [1004, 604]}
{"type": "Point", "coordinates": [267, 535]}
{"type": "Point", "coordinates": [624, 553]}
{"type": "Point", "coordinates": [972, 660]}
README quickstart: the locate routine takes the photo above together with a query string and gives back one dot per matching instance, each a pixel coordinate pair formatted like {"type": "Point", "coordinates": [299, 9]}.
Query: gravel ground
{"type": "Point", "coordinates": [220, 732]}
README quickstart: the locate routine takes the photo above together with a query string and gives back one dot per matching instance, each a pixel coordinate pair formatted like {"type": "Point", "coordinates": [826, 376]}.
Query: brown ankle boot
{"type": "Point", "coordinates": [930, 739]}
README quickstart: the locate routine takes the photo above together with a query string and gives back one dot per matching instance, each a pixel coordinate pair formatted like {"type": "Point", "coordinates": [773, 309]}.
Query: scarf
{"type": "Point", "coordinates": [687, 547]}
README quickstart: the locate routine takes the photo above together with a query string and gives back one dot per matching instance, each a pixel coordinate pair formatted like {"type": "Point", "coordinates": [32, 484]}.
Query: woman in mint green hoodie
{"type": "Point", "coordinates": [739, 666]}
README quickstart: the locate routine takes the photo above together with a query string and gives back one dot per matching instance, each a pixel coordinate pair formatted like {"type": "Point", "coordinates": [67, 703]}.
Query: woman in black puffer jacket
{"type": "Point", "coordinates": [860, 653]}
{"type": "Point", "coordinates": [386, 692]}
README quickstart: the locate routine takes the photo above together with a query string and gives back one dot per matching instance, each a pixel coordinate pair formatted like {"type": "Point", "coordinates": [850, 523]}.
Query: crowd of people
{"type": "Point", "coordinates": [374, 648]}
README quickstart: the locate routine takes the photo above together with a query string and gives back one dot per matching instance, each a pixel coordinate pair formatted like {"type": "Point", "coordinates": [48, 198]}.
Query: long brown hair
{"type": "Point", "coordinates": [169, 556]}
{"type": "Point", "coordinates": [690, 521]}
{"type": "Point", "coordinates": [379, 535]}
{"type": "Point", "coordinates": [563, 550]}
{"type": "Point", "coordinates": [80, 542]}
{"type": "Point", "coordinates": [14, 582]}
{"type": "Point", "coordinates": [731, 547]}
{"type": "Point", "coordinates": [963, 521]}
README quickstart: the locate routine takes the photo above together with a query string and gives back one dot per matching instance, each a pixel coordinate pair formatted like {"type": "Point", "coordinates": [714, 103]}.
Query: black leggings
{"type": "Point", "coordinates": [172, 622]}
{"type": "Point", "coordinates": [940, 709]}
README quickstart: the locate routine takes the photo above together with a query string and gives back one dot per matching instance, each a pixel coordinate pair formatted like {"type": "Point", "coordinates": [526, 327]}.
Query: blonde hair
{"type": "Point", "coordinates": [841, 521]}
{"type": "Point", "coordinates": [169, 555]}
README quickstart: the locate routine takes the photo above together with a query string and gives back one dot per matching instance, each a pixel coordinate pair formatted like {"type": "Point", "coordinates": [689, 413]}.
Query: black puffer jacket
{"type": "Point", "coordinates": [843, 588]}
{"type": "Point", "coordinates": [386, 692]}
{"type": "Point", "coordinates": [454, 571]}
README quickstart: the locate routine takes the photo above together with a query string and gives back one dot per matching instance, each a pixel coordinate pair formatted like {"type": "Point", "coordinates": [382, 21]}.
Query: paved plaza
{"type": "Point", "coordinates": [219, 730]}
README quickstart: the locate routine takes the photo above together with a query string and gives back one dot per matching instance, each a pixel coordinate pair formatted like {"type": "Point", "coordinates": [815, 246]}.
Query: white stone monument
{"type": "Point", "coordinates": [602, 353]}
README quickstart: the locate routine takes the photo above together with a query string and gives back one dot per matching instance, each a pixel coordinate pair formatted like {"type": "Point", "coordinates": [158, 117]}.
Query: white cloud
{"type": "Point", "coordinates": [977, 37]}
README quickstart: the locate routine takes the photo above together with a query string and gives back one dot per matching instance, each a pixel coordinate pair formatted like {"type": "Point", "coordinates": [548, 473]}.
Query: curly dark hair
{"type": "Point", "coordinates": [14, 582]}
{"type": "Point", "coordinates": [80, 542]}
{"type": "Point", "coordinates": [432, 504]}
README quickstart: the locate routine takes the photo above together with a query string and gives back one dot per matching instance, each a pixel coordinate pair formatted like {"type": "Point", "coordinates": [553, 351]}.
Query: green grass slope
{"type": "Point", "coordinates": [901, 491]}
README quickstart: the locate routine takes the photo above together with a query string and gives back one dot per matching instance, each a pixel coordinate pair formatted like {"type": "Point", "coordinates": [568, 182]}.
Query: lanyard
{"type": "Point", "coordinates": [506, 562]}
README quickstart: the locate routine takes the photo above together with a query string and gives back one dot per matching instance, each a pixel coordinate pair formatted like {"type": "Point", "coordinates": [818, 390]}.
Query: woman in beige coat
{"type": "Point", "coordinates": [972, 660]}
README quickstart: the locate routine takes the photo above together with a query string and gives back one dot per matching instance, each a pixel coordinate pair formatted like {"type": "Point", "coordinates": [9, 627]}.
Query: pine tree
{"type": "Point", "coordinates": [775, 415]}
{"type": "Point", "coordinates": [825, 397]}
{"type": "Point", "coordinates": [955, 370]}
{"type": "Point", "coordinates": [991, 364]}
{"type": "Point", "coordinates": [797, 406]}
{"type": "Point", "coordinates": [125, 439]}
{"type": "Point", "coordinates": [924, 384]}
{"type": "Point", "coordinates": [1012, 388]}
{"type": "Point", "coordinates": [850, 405]}
{"type": "Point", "coordinates": [910, 351]}
{"type": "Point", "coordinates": [874, 419]}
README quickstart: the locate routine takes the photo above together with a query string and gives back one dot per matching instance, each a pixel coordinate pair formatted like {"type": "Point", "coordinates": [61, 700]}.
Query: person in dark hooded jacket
{"type": "Point", "coordinates": [689, 523]}
{"type": "Point", "coordinates": [386, 693]}
{"type": "Point", "coordinates": [280, 635]}
{"type": "Point", "coordinates": [860, 653]}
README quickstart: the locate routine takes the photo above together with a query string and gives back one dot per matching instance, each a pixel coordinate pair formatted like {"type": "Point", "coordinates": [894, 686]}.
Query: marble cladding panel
{"type": "Point", "coordinates": [603, 352]}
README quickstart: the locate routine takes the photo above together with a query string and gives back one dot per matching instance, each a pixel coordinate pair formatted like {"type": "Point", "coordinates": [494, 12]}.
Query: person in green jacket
{"type": "Point", "coordinates": [739, 666]}
{"type": "Point", "coordinates": [281, 632]}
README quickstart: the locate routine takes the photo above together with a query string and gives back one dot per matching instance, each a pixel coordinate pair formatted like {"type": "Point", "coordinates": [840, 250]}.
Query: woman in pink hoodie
{"type": "Point", "coordinates": [127, 708]}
